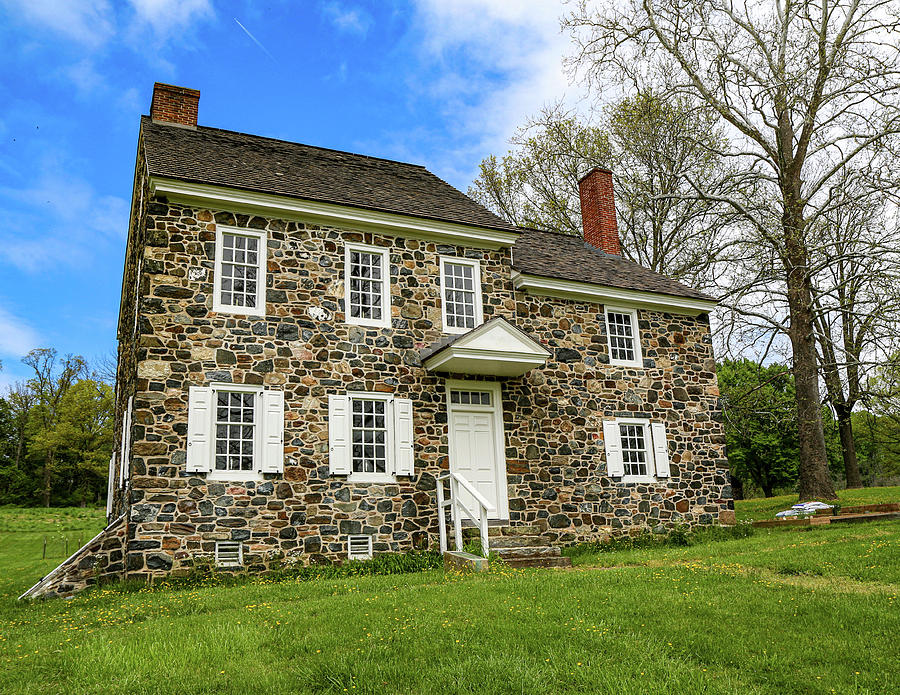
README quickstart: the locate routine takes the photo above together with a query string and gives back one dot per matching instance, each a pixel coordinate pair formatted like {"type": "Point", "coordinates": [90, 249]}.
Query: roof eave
{"type": "Point", "coordinates": [606, 294]}
{"type": "Point", "coordinates": [253, 202]}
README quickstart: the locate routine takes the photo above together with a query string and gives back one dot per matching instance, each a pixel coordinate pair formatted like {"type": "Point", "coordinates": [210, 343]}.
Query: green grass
{"type": "Point", "coordinates": [767, 507]}
{"type": "Point", "coordinates": [779, 612]}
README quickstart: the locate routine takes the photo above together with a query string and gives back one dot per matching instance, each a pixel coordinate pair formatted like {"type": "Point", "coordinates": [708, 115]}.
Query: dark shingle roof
{"type": "Point", "coordinates": [254, 163]}
{"type": "Point", "coordinates": [250, 162]}
{"type": "Point", "coordinates": [566, 257]}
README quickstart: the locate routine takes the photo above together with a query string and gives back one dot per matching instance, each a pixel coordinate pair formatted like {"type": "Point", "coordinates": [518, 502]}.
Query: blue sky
{"type": "Point", "coordinates": [443, 83]}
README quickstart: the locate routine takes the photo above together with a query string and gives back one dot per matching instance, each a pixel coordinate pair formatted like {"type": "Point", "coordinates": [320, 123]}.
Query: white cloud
{"type": "Point", "coordinates": [59, 221]}
{"type": "Point", "coordinates": [351, 20]}
{"type": "Point", "coordinates": [498, 63]}
{"type": "Point", "coordinates": [88, 22]}
{"type": "Point", "coordinates": [165, 15]}
{"type": "Point", "coordinates": [16, 336]}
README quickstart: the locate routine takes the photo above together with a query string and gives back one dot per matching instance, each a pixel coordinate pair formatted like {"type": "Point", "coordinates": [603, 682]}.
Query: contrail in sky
{"type": "Point", "coordinates": [254, 39]}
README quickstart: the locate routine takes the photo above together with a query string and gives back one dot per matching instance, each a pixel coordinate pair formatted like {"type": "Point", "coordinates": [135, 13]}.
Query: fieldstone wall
{"type": "Point", "coordinates": [553, 415]}
{"type": "Point", "coordinates": [100, 559]}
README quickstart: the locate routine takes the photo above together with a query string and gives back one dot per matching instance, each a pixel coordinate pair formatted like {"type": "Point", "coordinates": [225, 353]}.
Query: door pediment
{"type": "Point", "coordinates": [495, 348]}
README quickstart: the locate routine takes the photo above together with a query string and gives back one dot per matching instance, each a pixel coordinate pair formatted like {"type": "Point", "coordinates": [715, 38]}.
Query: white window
{"type": "Point", "coordinates": [636, 450]}
{"type": "Point", "coordinates": [623, 334]}
{"type": "Point", "coordinates": [367, 286]}
{"type": "Point", "coordinates": [461, 306]}
{"type": "Point", "coordinates": [370, 436]}
{"type": "Point", "coordinates": [235, 432]}
{"type": "Point", "coordinates": [240, 274]}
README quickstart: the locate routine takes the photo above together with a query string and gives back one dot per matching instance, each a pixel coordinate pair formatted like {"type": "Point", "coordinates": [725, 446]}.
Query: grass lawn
{"type": "Point", "coordinates": [780, 612]}
{"type": "Point", "coordinates": [766, 508]}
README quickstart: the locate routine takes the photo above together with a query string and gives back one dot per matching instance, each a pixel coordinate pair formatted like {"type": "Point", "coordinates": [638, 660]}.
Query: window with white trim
{"type": "Point", "coordinates": [637, 450]}
{"type": "Point", "coordinates": [235, 431]}
{"type": "Point", "coordinates": [623, 336]}
{"type": "Point", "coordinates": [240, 272]}
{"type": "Point", "coordinates": [461, 301]}
{"type": "Point", "coordinates": [370, 436]}
{"type": "Point", "coordinates": [367, 286]}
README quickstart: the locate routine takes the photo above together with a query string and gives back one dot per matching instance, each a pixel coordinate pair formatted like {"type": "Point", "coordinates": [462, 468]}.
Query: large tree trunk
{"type": "Point", "coordinates": [814, 479]}
{"type": "Point", "coordinates": [848, 447]}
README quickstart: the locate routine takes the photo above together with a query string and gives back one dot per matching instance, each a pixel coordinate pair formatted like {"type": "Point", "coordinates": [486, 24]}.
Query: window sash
{"type": "Point", "coordinates": [461, 303]}
{"type": "Point", "coordinates": [236, 429]}
{"type": "Point", "coordinates": [622, 334]}
{"type": "Point", "coordinates": [369, 433]}
{"type": "Point", "coordinates": [367, 286]}
{"type": "Point", "coordinates": [240, 271]}
{"type": "Point", "coordinates": [635, 447]}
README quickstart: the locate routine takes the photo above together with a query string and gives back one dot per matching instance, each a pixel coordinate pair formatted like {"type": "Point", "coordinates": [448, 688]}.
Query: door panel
{"type": "Point", "coordinates": [473, 454]}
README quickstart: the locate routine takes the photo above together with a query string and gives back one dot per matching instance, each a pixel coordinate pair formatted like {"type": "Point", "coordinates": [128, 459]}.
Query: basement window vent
{"type": "Point", "coordinates": [229, 554]}
{"type": "Point", "coordinates": [359, 547]}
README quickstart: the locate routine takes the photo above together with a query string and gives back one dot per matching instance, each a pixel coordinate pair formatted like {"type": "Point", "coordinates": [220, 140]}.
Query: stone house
{"type": "Point", "coordinates": [312, 342]}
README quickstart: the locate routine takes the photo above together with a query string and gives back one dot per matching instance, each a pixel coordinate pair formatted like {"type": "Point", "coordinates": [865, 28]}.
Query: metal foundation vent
{"type": "Point", "coordinates": [359, 547]}
{"type": "Point", "coordinates": [229, 554]}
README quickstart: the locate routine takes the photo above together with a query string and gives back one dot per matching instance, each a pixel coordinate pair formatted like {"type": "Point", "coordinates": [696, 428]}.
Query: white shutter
{"type": "Point", "coordinates": [339, 435]}
{"type": "Point", "coordinates": [272, 431]}
{"type": "Point", "coordinates": [200, 419]}
{"type": "Point", "coordinates": [614, 466]}
{"type": "Point", "coordinates": [403, 437]}
{"type": "Point", "coordinates": [110, 489]}
{"type": "Point", "coordinates": [125, 444]}
{"type": "Point", "coordinates": [660, 449]}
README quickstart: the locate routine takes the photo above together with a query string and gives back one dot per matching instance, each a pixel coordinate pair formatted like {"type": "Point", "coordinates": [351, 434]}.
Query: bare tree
{"type": "Point", "coordinates": [807, 89]}
{"type": "Point", "coordinates": [655, 146]}
{"type": "Point", "coordinates": [857, 303]}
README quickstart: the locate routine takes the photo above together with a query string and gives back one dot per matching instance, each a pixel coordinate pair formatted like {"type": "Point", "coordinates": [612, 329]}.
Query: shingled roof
{"type": "Point", "coordinates": [566, 257]}
{"type": "Point", "coordinates": [249, 162]}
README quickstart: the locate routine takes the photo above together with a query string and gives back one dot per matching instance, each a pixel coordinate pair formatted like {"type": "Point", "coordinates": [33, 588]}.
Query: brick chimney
{"type": "Point", "coordinates": [173, 104]}
{"type": "Point", "coordinates": [598, 210]}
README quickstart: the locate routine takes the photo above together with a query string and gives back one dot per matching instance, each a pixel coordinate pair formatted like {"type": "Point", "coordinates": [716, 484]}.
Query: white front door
{"type": "Point", "coordinates": [476, 442]}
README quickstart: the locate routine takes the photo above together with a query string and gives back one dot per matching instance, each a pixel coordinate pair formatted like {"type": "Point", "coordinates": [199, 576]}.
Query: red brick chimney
{"type": "Point", "coordinates": [174, 104]}
{"type": "Point", "coordinates": [598, 210]}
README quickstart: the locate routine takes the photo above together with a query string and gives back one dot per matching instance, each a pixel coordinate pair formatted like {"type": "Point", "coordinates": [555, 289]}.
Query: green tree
{"type": "Point", "coordinates": [760, 423]}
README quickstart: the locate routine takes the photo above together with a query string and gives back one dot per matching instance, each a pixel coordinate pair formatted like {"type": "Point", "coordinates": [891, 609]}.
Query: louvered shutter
{"type": "Point", "coordinates": [272, 431]}
{"type": "Point", "coordinates": [660, 449]}
{"type": "Point", "coordinates": [200, 419]}
{"type": "Point", "coordinates": [403, 437]}
{"type": "Point", "coordinates": [125, 444]}
{"type": "Point", "coordinates": [110, 485]}
{"type": "Point", "coordinates": [614, 466]}
{"type": "Point", "coordinates": [339, 435]}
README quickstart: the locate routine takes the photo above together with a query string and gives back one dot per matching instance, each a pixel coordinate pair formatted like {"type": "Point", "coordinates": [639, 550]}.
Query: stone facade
{"type": "Point", "coordinates": [552, 415]}
{"type": "Point", "coordinates": [100, 559]}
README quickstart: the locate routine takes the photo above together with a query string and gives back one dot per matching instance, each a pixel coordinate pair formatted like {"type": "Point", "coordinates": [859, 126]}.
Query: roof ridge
{"type": "Point", "coordinates": [300, 144]}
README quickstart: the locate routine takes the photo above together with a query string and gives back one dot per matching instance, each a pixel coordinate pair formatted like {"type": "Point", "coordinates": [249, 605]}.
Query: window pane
{"type": "Point", "coordinates": [634, 449]}
{"type": "Point", "coordinates": [459, 295]}
{"type": "Point", "coordinates": [366, 285]}
{"type": "Point", "coordinates": [369, 435]}
{"type": "Point", "coordinates": [621, 336]}
{"type": "Point", "coordinates": [240, 259]}
{"type": "Point", "coordinates": [235, 430]}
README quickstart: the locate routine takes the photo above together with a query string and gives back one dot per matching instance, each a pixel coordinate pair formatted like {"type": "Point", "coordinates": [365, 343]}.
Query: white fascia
{"type": "Point", "coordinates": [236, 200]}
{"type": "Point", "coordinates": [603, 294]}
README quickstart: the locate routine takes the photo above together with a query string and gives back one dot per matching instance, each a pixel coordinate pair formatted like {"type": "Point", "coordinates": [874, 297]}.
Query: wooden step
{"type": "Point", "coordinates": [520, 552]}
{"type": "Point", "coordinates": [472, 531]}
{"type": "Point", "coordinates": [539, 562]}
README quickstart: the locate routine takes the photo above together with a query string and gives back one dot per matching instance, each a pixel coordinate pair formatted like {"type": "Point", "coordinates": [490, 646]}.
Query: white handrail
{"type": "Point", "coordinates": [457, 506]}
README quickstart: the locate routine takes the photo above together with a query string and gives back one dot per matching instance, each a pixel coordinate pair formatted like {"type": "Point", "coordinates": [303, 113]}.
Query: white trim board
{"type": "Point", "coordinates": [236, 200]}
{"type": "Point", "coordinates": [603, 294]}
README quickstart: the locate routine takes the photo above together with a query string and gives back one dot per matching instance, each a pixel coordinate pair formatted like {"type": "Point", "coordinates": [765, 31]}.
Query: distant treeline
{"type": "Point", "coordinates": [56, 433]}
